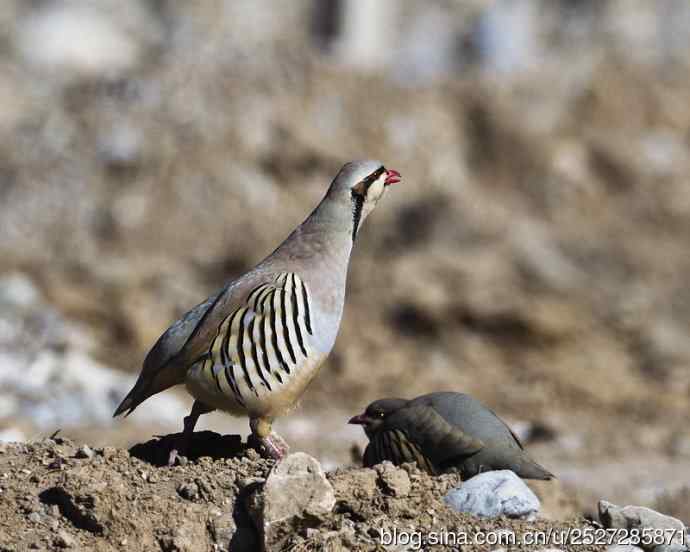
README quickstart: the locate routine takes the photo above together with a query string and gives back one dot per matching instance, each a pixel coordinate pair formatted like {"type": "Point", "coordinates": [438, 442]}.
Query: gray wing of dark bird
{"type": "Point", "coordinates": [437, 439]}
{"type": "Point", "coordinates": [503, 449]}
{"type": "Point", "coordinates": [471, 416]}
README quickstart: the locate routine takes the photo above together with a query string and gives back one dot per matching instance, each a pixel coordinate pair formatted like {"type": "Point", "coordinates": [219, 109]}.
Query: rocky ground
{"type": "Point", "coordinates": [60, 495]}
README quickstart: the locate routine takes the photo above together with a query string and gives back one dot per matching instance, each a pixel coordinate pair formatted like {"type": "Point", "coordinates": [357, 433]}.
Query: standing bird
{"type": "Point", "coordinates": [444, 431]}
{"type": "Point", "coordinates": [253, 347]}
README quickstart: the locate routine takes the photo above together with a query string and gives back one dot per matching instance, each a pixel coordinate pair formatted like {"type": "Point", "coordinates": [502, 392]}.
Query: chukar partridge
{"type": "Point", "coordinates": [444, 431]}
{"type": "Point", "coordinates": [253, 347]}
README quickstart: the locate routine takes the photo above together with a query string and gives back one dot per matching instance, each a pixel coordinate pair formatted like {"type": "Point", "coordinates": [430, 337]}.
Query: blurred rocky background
{"type": "Point", "coordinates": [536, 254]}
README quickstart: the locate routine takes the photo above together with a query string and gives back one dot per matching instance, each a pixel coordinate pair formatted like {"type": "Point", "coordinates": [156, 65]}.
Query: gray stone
{"type": "Point", "coordinates": [113, 43]}
{"type": "Point", "coordinates": [18, 290]}
{"type": "Point", "coordinates": [639, 517]}
{"type": "Point", "coordinates": [493, 494]}
{"type": "Point", "coordinates": [222, 527]}
{"type": "Point", "coordinates": [189, 490]}
{"type": "Point", "coordinates": [295, 489]}
{"type": "Point", "coordinates": [64, 540]}
{"type": "Point", "coordinates": [395, 481]}
{"type": "Point", "coordinates": [188, 536]}
{"type": "Point", "coordinates": [84, 451]}
{"type": "Point", "coordinates": [623, 548]}
{"type": "Point", "coordinates": [49, 378]}
{"type": "Point", "coordinates": [672, 547]}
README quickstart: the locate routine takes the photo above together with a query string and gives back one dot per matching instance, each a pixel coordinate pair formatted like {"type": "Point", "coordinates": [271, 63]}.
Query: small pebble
{"type": "Point", "coordinates": [252, 455]}
{"type": "Point", "coordinates": [189, 491]}
{"type": "Point", "coordinates": [64, 540]}
{"type": "Point", "coordinates": [247, 481]}
{"type": "Point", "coordinates": [57, 464]}
{"type": "Point", "coordinates": [109, 452]}
{"type": "Point", "coordinates": [84, 451]}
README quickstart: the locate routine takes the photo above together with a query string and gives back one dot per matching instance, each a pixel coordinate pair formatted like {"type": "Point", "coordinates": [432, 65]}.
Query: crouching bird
{"type": "Point", "coordinates": [253, 347]}
{"type": "Point", "coordinates": [444, 431]}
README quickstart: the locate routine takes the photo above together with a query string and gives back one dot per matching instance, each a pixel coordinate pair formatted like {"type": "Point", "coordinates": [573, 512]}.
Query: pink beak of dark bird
{"type": "Point", "coordinates": [392, 177]}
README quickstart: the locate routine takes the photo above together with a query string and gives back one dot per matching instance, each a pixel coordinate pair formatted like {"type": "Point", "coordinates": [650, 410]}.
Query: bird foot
{"type": "Point", "coordinates": [273, 446]}
{"type": "Point", "coordinates": [175, 458]}
{"type": "Point", "coordinates": [180, 446]}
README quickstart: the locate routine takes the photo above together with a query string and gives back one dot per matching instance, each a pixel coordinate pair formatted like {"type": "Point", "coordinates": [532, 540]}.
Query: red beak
{"type": "Point", "coordinates": [360, 419]}
{"type": "Point", "coordinates": [392, 177]}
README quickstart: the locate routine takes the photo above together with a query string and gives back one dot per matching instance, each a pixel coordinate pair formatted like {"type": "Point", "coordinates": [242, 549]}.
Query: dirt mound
{"type": "Point", "coordinates": [57, 494]}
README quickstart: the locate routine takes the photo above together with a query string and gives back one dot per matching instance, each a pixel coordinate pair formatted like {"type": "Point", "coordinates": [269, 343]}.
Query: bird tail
{"type": "Point", "coordinates": [150, 382]}
{"type": "Point", "coordinates": [130, 402]}
{"type": "Point", "coordinates": [529, 469]}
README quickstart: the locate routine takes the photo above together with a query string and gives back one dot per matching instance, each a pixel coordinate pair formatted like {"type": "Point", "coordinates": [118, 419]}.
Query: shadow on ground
{"type": "Point", "coordinates": [203, 443]}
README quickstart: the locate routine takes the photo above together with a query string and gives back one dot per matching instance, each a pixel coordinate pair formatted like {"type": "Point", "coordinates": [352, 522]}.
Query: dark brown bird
{"type": "Point", "coordinates": [441, 432]}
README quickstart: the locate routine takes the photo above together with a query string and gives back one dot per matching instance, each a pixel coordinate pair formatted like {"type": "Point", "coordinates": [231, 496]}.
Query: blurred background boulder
{"type": "Point", "coordinates": [536, 255]}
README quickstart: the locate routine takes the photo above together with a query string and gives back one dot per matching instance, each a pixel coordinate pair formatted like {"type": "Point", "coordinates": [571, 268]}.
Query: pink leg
{"type": "Point", "coordinates": [269, 444]}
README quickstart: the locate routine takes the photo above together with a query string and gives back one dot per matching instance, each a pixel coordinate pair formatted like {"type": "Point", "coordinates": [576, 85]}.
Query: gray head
{"type": "Point", "coordinates": [376, 413]}
{"type": "Point", "coordinates": [355, 191]}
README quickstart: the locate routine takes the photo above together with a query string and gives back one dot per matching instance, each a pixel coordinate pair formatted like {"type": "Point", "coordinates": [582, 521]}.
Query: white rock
{"type": "Point", "coordinates": [493, 494]}
{"type": "Point", "coordinates": [297, 487]}
{"type": "Point", "coordinates": [394, 480]}
{"type": "Point", "coordinates": [505, 36]}
{"type": "Point", "coordinates": [623, 548]}
{"type": "Point", "coordinates": [361, 42]}
{"type": "Point", "coordinates": [12, 435]}
{"type": "Point", "coordinates": [121, 145]}
{"type": "Point", "coordinates": [671, 547]}
{"type": "Point", "coordinates": [77, 39]}
{"type": "Point", "coordinates": [48, 379]}
{"type": "Point", "coordinates": [17, 290]}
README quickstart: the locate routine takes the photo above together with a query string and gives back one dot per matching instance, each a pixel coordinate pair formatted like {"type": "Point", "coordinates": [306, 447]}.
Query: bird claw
{"type": "Point", "coordinates": [273, 446]}
{"type": "Point", "coordinates": [175, 458]}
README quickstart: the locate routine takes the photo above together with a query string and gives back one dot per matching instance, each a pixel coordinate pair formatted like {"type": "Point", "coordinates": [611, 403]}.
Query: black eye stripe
{"type": "Point", "coordinates": [363, 185]}
{"type": "Point", "coordinates": [357, 206]}
{"type": "Point", "coordinates": [369, 180]}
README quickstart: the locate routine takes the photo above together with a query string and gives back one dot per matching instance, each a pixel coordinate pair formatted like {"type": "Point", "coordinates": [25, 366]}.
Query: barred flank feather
{"type": "Point", "coordinates": [394, 446]}
{"type": "Point", "coordinates": [261, 345]}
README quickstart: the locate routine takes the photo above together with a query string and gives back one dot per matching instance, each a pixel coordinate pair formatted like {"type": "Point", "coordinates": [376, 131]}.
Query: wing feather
{"type": "Point", "coordinates": [244, 326]}
{"type": "Point", "coordinates": [436, 438]}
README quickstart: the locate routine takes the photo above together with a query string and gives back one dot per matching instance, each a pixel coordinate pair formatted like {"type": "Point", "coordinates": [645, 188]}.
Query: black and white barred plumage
{"type": "Point", "coordinates": [259, 346]}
